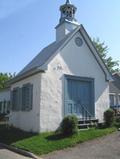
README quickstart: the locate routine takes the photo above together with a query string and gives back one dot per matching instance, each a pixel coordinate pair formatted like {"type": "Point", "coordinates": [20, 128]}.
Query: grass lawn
{"type": "Point", "coordinates": [44, 143]}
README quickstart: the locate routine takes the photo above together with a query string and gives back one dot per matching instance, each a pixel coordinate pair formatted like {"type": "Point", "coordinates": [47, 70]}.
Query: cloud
{"type": "Point", "coordinates": [8, 7]}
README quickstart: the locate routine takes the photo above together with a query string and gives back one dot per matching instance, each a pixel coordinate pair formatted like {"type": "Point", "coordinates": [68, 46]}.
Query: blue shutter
{"type": "Point", "coordinates": [23, 98]}
{"type": "Point", "coordinates": [31, 96]}
{"type": "Point", "coordinates": [11, 100]}
{"type": "Point", "coordinates": [27, 97]}
{"type": "Point", "coordinates": [0, 107]}
{"type": "Point", "coordinates": [20, 99]}
{"type": "Point", "coordinates": [15, 99]}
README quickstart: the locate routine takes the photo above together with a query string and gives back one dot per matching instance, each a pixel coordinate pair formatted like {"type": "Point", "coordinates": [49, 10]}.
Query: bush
{"type": "Point", "coordinates": [109, 116]}
{"type": "Point", "coordinates": [117, 119]}
{"type": "Point", "coordinates": [69, 125]}
{"type": "Point", "coordinates": [117, 122]}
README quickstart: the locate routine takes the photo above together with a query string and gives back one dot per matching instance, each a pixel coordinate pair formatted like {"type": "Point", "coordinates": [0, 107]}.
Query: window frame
{"type": "Point", "coordinates": [115, 99]}
{"type": "Point", "coordinates": [1, 107]}
{"type": "Point", "coordinates": [118, 99]}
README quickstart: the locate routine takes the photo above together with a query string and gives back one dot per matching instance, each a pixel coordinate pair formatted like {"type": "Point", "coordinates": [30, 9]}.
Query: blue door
{"type": "Point", "coordinates": [79, 96]}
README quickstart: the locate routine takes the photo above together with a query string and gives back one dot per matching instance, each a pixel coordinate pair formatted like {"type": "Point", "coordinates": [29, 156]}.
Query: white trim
{"type": "Point", "coordinates": [112, 93]}
{"type": "Point", "coordinates": [114, 98]}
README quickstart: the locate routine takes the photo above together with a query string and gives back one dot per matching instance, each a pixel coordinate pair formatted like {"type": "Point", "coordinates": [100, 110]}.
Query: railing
{"type": "Point", "coordinates": [86, 115]}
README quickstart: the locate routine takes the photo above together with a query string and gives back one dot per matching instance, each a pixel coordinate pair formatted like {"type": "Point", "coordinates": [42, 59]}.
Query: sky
{"type": "Point", "coordinates": [27, 26]}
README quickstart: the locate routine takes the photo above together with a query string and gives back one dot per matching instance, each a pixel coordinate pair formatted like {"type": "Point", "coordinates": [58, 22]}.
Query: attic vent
{"type": "Point", "coordinates": [78, 41]}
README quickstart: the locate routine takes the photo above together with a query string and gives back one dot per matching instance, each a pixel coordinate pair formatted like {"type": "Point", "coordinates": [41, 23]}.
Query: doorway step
{"type": "Point", "coordinates": [86, 123]}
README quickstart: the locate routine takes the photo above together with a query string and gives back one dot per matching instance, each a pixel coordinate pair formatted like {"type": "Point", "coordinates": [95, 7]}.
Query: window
{"type": "Point", "coordinates": [112, 100]}
{"type": "Point", "coordinates": [4, 107]}
{"type": "Point", "coordinates": [8, 106]}
{"type": "Point", "coordinates": [22, 98]}
{"type": "Point", "coordinates": [119, 100]}
{"type": "Point", "coordinates": [0, 107]}
{"type": "Point", "coordinates": [27, 97]}
{"type": "Point", "coordinates": [16, 99]}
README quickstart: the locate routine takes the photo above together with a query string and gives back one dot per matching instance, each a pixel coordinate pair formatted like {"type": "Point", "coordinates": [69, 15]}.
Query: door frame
{"type": "Point", "coordinates": [78, 78]}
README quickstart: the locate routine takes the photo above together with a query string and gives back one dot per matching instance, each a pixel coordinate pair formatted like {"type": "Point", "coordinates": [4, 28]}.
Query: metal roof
{"type": "Point", "coordinates": [36, 65]}
{"type": "Point", "coordinates": [44, 55]}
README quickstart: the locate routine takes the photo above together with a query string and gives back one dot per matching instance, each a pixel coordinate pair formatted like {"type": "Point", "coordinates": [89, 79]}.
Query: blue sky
{"type": "Point", "coordinates": [26, 26]}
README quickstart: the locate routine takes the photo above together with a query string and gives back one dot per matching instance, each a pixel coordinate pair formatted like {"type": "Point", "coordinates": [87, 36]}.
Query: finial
{"type": "Point", "coordinates": [68, 2]}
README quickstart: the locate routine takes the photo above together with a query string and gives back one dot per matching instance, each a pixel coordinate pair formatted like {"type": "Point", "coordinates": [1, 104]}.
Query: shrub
{"type": "Point", "coordinates": [109, 117]}
{"type": "Point", "coordinates": [117, 119]}
{"type": "Point", "coordinates": [69, 125]}
{"type": "Point", "coordinates": [117, 122]}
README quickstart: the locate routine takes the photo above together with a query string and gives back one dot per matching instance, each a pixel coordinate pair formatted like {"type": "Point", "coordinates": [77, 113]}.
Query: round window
{"type": "Point", "coordinates": [78, 41]}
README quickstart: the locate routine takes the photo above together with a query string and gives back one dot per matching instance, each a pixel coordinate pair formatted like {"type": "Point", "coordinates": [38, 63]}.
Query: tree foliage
{"type": "Point", "coordinates": [4, 77]}
{"type": "Point", "coordinates": [103, 49]}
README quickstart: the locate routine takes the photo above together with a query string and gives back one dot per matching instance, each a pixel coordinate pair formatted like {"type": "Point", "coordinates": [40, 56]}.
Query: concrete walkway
{"type": "Point", "coordinates": [6, 154]}
{"type": "Point", "coordinates": [103, 148]}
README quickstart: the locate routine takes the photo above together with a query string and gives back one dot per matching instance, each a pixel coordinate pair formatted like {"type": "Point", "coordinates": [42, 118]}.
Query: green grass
{"type": "Point", "coordinates": [48, 142]}
{"type": "Point", "coordinates": [44, 143]}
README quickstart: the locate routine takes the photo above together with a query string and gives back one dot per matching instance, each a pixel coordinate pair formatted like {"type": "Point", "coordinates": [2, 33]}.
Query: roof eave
{"type": "Point", "coordinates": [26, 75]}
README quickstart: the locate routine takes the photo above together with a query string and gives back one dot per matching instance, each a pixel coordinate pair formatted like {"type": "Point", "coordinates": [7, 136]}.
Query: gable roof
{"type": "Point", "coordinates": [37, 64]}
{"type": "Point", "coordinates": [44, 55]}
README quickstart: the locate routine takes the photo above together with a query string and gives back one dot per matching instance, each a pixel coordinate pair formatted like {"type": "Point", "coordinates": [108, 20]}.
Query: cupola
{"type": "Point", "coordinates": [67, 21]}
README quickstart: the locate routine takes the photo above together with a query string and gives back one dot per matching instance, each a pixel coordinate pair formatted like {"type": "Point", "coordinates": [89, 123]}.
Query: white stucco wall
{"type": "Point", "coordinates": [5, 95]}
{"type": "Point", "coordinates": [72, 60]}
{"type": "Point", "coordinates": [48, 88]}
{"type": "Point", "coordinates": [28, 120]}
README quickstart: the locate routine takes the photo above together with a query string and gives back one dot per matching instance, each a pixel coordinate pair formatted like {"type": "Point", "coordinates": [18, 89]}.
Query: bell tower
{"type": "Point", "coordinates": [67, 21]}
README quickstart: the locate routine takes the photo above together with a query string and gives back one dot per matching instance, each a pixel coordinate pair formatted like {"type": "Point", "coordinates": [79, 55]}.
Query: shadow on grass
{"type": "Point", "coordinates": [9, 135]}
{"type": "Point", "coordinates": [56, 137]}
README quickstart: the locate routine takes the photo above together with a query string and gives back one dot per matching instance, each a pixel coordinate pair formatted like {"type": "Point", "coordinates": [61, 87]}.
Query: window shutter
{"type": "Point", "coordinates": [23, 98]}
{"type": "Point", "coordinates": [11, 100]}
{"type": "Point", "coordinates": [20, 99]}
{"type": "Point", "coordinates": [27, 97]}
{"type": "Point", "coordinates": [8, 106]}
{"type": "Point", "coordinates": [31, 97]}
{"type": "Point", "coordinates": [0, 107]}
{"type": "Point", "coordinates": [4, 107]}
{"type": "Point", "coordinates": [15, 99]}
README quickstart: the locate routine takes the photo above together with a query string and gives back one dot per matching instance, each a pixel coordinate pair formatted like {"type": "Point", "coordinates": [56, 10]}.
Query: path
{"type": "Point", "coordinates": [103, 148]}
{"type": "Point", "coordinates": [6, 154]}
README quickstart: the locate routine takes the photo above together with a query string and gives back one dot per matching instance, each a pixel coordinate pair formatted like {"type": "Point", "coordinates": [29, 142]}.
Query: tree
{"type": "Point", "coordinates": [4, 77]}
{"type": "Point", "coordinates": [102, 49]}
